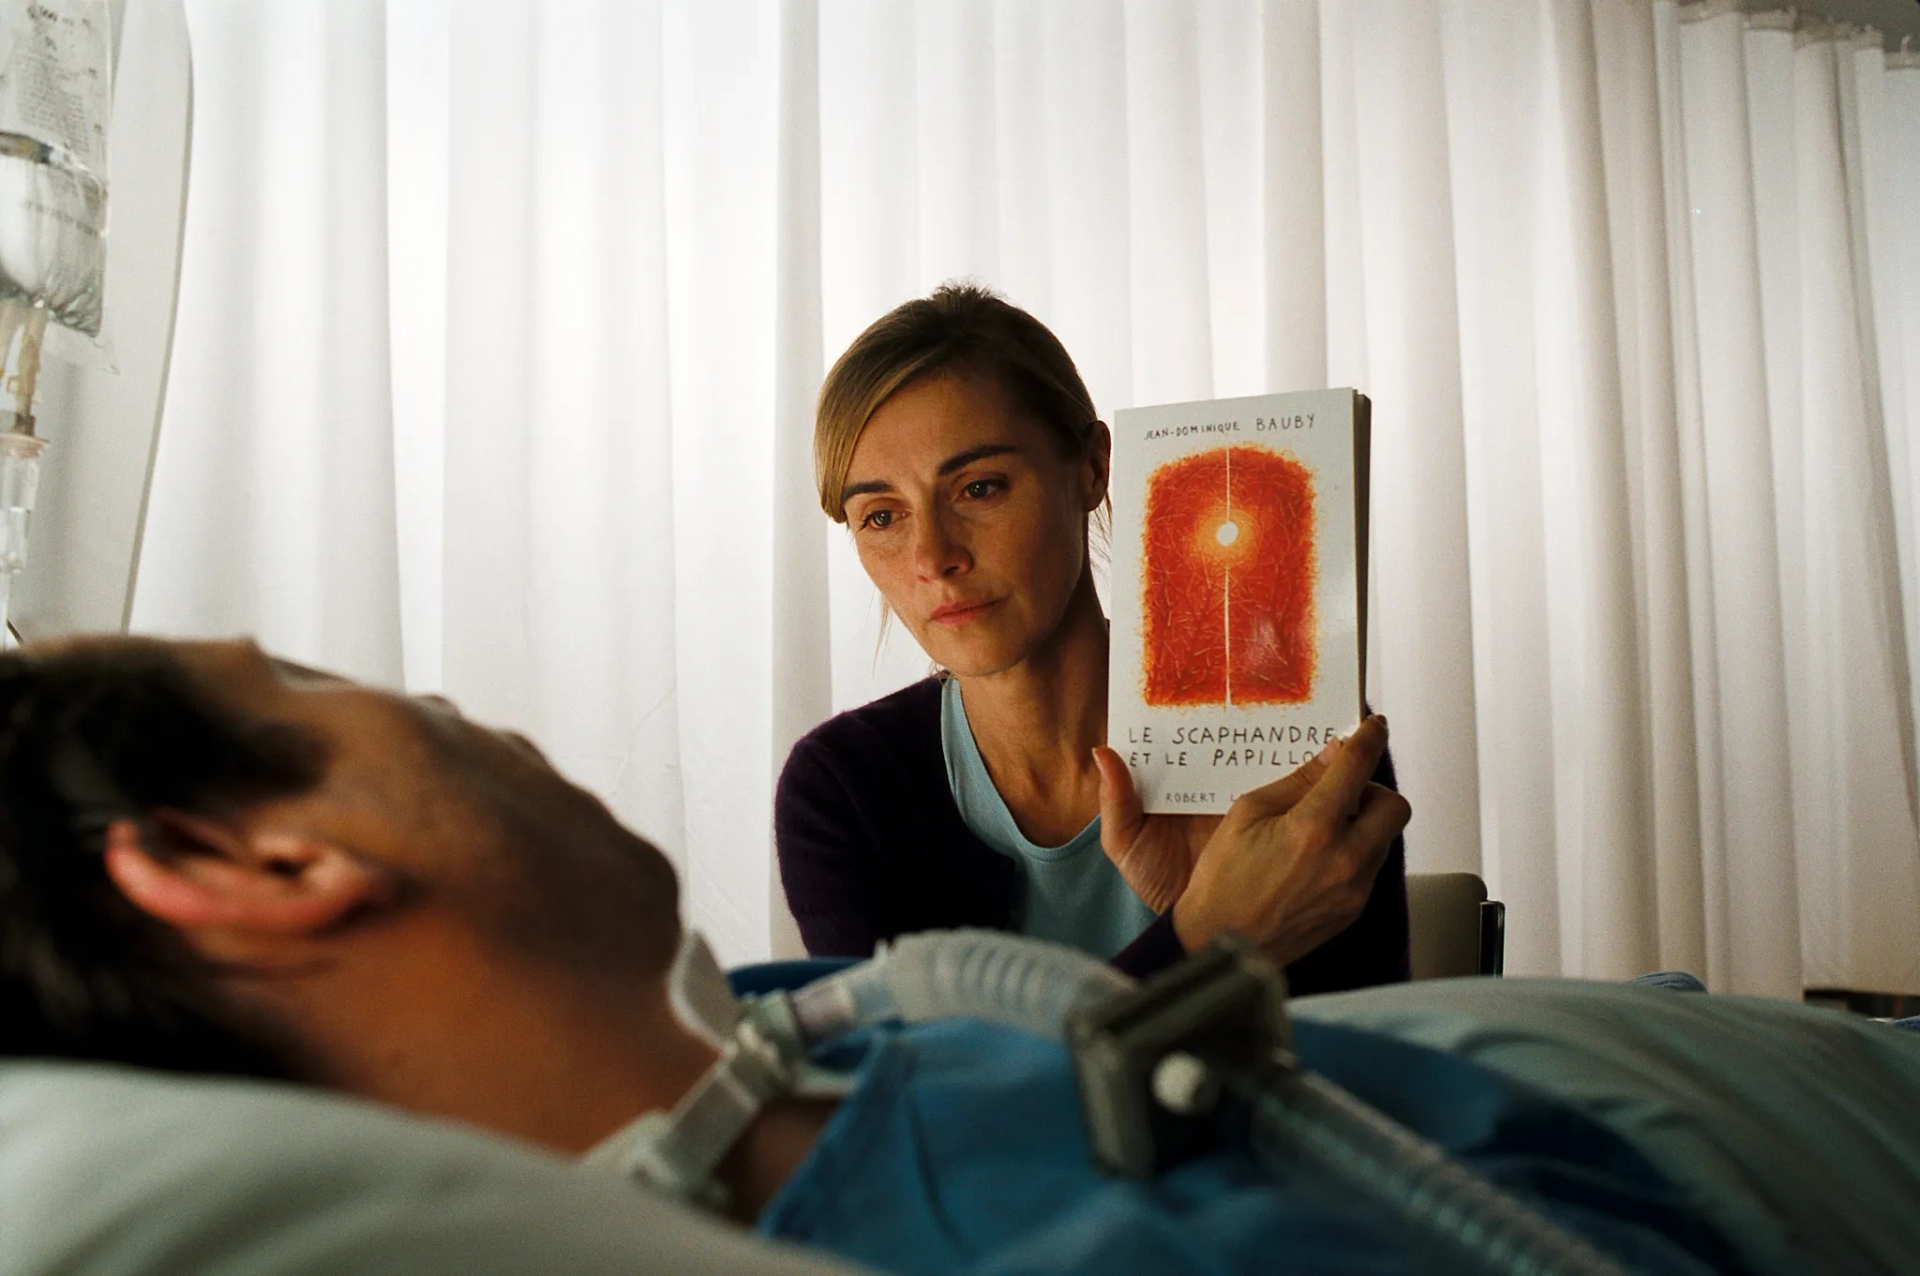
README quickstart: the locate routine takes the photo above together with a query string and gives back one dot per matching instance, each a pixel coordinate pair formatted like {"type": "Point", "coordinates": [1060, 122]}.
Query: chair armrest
{"type": "Point", "coordinates": [1493, 937]}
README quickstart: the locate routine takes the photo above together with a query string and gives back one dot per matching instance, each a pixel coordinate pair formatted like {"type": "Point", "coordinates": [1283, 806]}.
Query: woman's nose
{"type": "Point", "coordinates": [937, 551]}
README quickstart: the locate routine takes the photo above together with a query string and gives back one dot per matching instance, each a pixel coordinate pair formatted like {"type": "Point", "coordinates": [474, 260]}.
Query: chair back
{"type": "Point", "coordinates": [1454, 928]}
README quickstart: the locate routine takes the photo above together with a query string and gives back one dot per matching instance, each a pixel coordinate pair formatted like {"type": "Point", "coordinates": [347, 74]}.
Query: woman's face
{"type": "Point", "coordinates": [970, 521]}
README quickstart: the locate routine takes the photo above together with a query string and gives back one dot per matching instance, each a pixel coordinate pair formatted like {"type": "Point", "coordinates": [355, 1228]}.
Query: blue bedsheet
{"type": "Point", "coordinates": [1795, 1129]}
{"type": "Point", "coordinates": [962, 1150]}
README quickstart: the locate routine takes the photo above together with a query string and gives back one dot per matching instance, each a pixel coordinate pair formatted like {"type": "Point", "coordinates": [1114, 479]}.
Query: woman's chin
{"type": "Point", "coordinates": [971, 655]}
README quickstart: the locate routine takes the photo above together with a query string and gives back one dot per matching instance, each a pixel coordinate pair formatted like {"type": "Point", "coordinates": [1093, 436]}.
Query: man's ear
{"type": "Point", "coordinates": [212, 876]}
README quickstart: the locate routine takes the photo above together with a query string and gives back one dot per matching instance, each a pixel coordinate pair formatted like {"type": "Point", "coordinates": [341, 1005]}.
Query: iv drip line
{"type": "Point", "coordinates": [53, 189]}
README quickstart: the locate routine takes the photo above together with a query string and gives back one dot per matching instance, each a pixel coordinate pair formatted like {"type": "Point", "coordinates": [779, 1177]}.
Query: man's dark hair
{"type": "Point", "coordinates": [89, 735]}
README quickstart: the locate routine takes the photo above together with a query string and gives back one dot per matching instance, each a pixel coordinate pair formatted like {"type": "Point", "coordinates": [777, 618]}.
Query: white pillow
{"type": "Point", "coordinates": [109, 1170]}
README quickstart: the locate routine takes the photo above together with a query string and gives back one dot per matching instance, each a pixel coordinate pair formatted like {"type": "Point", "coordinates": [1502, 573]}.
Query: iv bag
{"type": "Point", "coordinates": [56, 98]}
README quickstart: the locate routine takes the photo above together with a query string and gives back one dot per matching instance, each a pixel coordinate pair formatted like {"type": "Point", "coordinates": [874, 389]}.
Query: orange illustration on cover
{"type": "Point", "coordinates": [1228, 579]}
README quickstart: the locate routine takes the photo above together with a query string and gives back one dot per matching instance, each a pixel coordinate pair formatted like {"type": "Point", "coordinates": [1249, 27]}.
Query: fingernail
{"type": "Point", "coordinates": [1381, 718]}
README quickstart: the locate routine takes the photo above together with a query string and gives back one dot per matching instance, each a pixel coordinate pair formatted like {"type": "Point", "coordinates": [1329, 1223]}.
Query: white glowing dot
{"type": "Point", "coordinates": [1228, 533]}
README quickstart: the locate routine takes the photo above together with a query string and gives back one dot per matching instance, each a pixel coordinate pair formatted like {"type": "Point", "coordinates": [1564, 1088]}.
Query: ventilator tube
{"type": "Point", "coordinates": [1455, 1219]}
{"type": "Point", "coordinates": [968, 974]}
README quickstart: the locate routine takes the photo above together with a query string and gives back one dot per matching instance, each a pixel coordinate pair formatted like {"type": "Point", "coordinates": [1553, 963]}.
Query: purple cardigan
{"type": "Point", "coordinates": [872, 846]}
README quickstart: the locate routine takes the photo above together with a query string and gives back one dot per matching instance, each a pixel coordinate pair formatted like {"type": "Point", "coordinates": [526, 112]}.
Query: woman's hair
{"type": "Point", "coordinates": [88, 737]}
{"type": "Point", "coordinates": [961, 328]}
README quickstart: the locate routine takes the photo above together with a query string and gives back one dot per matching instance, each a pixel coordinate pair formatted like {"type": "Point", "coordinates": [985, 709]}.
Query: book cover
{"type": "Point", "coordinates": [1238, 591]}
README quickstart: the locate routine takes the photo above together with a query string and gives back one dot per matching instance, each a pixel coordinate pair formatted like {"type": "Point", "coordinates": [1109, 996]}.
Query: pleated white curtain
{"type": "Point", "coordinates": [501, 323]}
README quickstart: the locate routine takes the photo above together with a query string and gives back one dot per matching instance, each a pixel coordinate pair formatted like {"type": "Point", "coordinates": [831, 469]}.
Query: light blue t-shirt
{"type": "Point", "coordinates": [1070, 894]}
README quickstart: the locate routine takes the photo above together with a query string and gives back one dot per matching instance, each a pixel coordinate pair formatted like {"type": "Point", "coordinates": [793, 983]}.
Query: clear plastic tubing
{"type": "Point", "coordinates": [1455, 1220]}
{"type": "Point", "coordinates": [969, 974]}
{"type": "Point", "coordinates": [19, 480]}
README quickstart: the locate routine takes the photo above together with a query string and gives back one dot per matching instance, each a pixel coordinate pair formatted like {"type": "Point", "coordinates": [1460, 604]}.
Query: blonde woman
{"type": "Point", "coordinates": [958, 443]}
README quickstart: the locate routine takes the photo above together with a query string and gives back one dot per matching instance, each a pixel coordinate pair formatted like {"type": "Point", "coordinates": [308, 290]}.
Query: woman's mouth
{"type": "Point", "coordinates": [955, 614]}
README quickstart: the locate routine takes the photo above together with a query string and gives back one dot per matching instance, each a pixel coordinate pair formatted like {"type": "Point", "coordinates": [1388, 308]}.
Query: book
{"type": "Point", "coordinates": [1238, 591]}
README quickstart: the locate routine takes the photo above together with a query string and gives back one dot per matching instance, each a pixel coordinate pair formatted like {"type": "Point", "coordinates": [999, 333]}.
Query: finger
{"type": "Point", "coordinates": [1120, 813]}
{"type": "Point", "coordinates": [1383, 816]}
{"type": "Point", "coordinates": [1282, 795]}
{"type": "Point", "coordinates": [1349, 770]}
{"type": "Point", "coordinates": [1363, 848]}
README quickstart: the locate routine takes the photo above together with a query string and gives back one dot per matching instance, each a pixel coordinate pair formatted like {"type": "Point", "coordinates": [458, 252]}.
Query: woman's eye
{"type": "Point", "coordinates": [878, 519]}
{"type": "Point", "coordinates": [980, 489]}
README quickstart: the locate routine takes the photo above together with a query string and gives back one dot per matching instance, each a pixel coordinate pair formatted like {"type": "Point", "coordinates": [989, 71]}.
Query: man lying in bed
{"type": "Point", "coordinates": [214, 862]}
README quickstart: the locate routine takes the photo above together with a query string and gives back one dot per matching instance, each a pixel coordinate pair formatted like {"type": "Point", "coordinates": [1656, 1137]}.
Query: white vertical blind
{"type": "Point", "coordinates": [1387, 64]}
{"type": "Point", "coordinates": [273, 495]}
{"type": "Point", "coordinates": [1634, 286]}
{"type": "Point", "coordinates": [1491, 91]}
{"type": "Point", "coordinates": [1734, 494]}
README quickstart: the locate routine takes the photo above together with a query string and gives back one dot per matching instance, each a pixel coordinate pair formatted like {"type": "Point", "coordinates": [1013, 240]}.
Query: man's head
{"type": "Point", "coordinates": [215, 861]}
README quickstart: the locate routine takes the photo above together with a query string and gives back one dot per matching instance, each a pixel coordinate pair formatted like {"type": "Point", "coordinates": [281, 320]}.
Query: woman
{"type": "Point", "coordinates": [957, 441]}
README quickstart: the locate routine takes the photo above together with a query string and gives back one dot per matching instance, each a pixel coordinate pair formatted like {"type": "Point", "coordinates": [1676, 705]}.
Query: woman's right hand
{"type": "Point", "coordinates": [1154, 853]}
{"type": "Point", "coordinates": [1291, 864]}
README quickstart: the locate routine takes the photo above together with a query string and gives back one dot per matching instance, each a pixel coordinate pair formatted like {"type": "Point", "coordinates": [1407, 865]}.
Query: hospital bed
{"type": "Point", "coordinates": [108, 1170]}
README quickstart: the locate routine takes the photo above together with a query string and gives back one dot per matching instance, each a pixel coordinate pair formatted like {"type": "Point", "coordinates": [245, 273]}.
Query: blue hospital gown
{"type": "Point", "coordinates": [961, 1150]}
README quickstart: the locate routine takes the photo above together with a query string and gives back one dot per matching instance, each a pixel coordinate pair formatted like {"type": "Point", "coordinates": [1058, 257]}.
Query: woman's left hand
{"type": "Point", "coordinates": [1294, 862]}
{"type": "Point", "coordinates": [1157, 854]}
